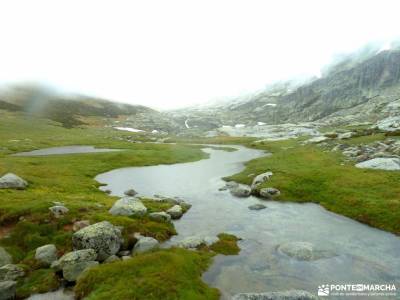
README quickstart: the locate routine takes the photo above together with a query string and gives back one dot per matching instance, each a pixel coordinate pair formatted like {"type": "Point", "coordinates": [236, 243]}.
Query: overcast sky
{"type": "Point", "coordinates": [168, 54]}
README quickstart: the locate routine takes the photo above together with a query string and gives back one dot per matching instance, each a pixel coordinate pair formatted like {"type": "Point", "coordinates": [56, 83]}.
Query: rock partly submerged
{"type": "Point", "coordinates": [304, 251]}
{"type": "Point", "coordinates": [175, 211]}
{"type": "Point", "coordinates": [283, 295]}
{"type": "Point", "coordinates": [12, 181]}
{"type": "Point", "coordinates": [193, 242]}
{"type": "Point", "coordinates": [130, 192]}
{"type": "Point", "coordinates": [103, 237]}
{"type": "Point", "coordinates": [241, 190]}
{"type": "Point", "coordinates": [257, 206]}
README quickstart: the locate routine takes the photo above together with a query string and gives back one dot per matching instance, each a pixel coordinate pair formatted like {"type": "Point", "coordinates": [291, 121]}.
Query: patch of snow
{"type": "Point", "coordinates": [129, 129]}
{"type": "Point", "coordinates": [270, 104]}
{"type": "Point", "coordinates": [261, 123]}
{"type": "Point", "coordinates": [155, 131]}
{"type": "Point", "coordinates": [240, 126]}
{"type": "Point", "coordinates": [186, 123]}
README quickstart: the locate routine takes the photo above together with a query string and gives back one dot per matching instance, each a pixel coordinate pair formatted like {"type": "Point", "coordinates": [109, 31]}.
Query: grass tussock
{"type": "Point", "coordinates": [163, 274]}
{"type": "Point", "coordinates": [38, 281]}
{"type": "Point", "coordinates": [227, 244]}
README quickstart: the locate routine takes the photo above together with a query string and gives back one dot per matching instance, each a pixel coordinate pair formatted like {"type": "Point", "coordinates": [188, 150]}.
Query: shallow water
{"type": "Point", "coordinates": [60, 294]}
{"type": "Point", "coordinates": [362, 254]}
{"type": "Point", "coordinates": [65, 150]}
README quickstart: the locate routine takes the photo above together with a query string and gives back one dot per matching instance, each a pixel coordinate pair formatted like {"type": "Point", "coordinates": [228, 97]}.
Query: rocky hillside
{"type": "Point", "coordinates": [352, 91]}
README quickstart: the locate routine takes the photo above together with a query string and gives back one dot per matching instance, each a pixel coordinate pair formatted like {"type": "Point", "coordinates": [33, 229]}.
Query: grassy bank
{"type": "Point", "coordinates": [26, 222]}
{"type": "Point", "coordinates": [310, 174]}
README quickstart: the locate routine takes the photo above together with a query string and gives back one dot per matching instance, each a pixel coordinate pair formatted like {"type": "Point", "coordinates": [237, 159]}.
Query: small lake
{"type": "Point", "coordinates": [64, 150]}
{"type": "Point", "coordinates": [362, 254]}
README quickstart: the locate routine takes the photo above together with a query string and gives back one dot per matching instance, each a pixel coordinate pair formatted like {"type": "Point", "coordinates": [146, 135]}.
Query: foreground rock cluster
{"type": "Point", "coordinates": [93, 244]}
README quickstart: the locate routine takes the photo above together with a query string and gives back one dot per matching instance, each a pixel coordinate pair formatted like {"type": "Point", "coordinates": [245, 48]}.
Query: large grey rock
{"type": "Point", "coordinates": [74, 257]}
{"type": "Point", "coordinates": [103, 237]}
{"type": "Point", "coordinates": [284, 295]}
{"type": "Point", "coordinates": [261, 178]}
{"type": "Point", "coordinates": [128, 206]}
{"type": "Point", "coordinates": [5, 258]}
{"type": "Point", "coordinates": [46, 254]}
{"type": "Point", "coordinates": [304, 251]}
{"type": "Point", "coordinates": [175, 212]}
{"type": "Point", "coordinates": [145, 244]}
{"type": "Point", "coordinates": [160, 216]}
{"type": "Point", "coordinates": [12, 181]}
{"type": "Point", "coordinates": [269, 193]}
{"type": "Point", "coordinates": [389, 163]}
{"type": "Point", "coordinates": [11, 272]}
{"type": "Point", "coordinates": [241, 190]}
{"type": "Point", "coordinates": [58, 210]}
{"type": "Point", "coordinates": [7, 289]}
{"type": "Point", "coordinates": [71, 272]}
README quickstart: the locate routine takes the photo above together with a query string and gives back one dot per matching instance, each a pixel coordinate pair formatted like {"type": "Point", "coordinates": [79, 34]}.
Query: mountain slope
{"type": "Point", "coordinates": [67, 110]}
{"type": "Point", "coordinates": [352, 91]}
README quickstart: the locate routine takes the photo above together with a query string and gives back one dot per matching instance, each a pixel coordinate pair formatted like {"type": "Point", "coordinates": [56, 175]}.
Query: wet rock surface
{"type": "Point", "coordinates": [303, 251]}
{"type": "Point", "coordinates": [257, 206]}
